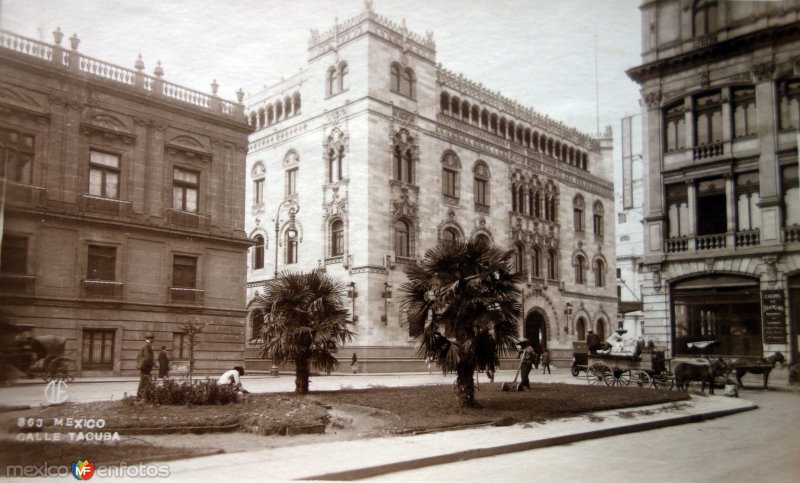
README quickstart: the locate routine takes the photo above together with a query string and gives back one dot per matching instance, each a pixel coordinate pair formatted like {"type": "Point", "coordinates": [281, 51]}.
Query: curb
{"type": "Point", "coordinates": [373, 471]}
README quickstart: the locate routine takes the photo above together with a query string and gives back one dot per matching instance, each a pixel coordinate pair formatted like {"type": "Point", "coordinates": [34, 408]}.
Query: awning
{"type": "Point", "coordinates": [625, 307]}
{"type": "Point", "coordinates": [716, 281]}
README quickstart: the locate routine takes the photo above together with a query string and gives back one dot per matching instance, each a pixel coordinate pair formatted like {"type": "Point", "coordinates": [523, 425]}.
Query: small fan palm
{"type": "Point", "coordinates": [463, 306]}
{"type": "Point", "coordinates": [302, 320]}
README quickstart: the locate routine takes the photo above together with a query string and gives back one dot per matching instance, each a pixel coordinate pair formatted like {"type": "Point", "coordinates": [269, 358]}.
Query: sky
{"type": "Point", "coordinates": [540, 53]}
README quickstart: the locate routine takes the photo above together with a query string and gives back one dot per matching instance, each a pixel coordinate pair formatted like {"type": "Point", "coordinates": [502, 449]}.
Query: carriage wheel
{"type": "Point", "coordinates": [642, 379]}
{"type": "Point", "coordinates": [61, 369]}
{"type": "Point", "coordinates": [664, 381]}
{"type": "Point", "coordinates": [596, 373]}
{"type": "Point", "coordinates": [619, 377]}
{"type": "Point", "coordinates": [575, 370]}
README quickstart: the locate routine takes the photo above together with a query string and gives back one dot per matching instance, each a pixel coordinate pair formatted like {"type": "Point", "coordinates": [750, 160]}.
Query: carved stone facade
{"type": "Point", "coordinates": [122, 206]}
{"type": "Point", "coordinates": [414, 173]}
{"type": "Point", "coordinates": [721, 219]}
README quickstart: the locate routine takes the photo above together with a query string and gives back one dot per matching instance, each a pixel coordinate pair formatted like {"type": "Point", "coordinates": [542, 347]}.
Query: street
{"type": "Point", "coordinates": [760, 445]}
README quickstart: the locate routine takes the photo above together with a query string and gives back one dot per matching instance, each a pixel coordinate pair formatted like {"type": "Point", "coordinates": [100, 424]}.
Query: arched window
{"type": "Point", "coordinates": [407, 83]}
{"type": "Point", "coordinates": [403, 157]}
{"type": "Point", "coordinates": [537, 204]}
{"type": "Point", "coordinates": [482, 239]}
{"type": "Point", "coordinates": [296, 100]}
{"type": "Point", "coordinates": [578, 207]}
{"type": "Point", "coordinates": [335, 156]}
{"type": "Point", "coordinates": [444, 100]}
{"type": "Point", "coordinates": [333, 81]}
{"type": "Point", "coordinates": [552, 204]}
{"type": "Point", "coordinates": [343, 71]}
{"type": "Point", "coordinates": [394, 78]}
{"type": "Point", "coordinates": [290, 245]}
{"type": "Point", "coordinates": [337, 238]}
{"type": "Point", "coordinates": [580, 270]}
{"type": "Point", "coordinates": [599, 273]}
{"type": "Point", "coordinates": [258, 174]}
{"type": "Point", "coordinates": [258, 252]}
{"type": "Point", "coordinates": [535, 262]}
{"type": "Point", "coordinates": [580, 329]}
{"type": "Point", "coordinates": [287, 106]}
{"type": "Point", "coordinates": [552, 273]}
{"type": "Point", "coordinates": [402, 241]}
{"type": "Point", "coordinates": [481, 184]}
{"type": "Point", "coordinates": [597, 219]}
{"type": "Point", "coordinates": [519, 258]}
{"type": "Point", "coordinates": [261, 118]}
{"type": "Point", "coordinates": [449, 235]}
{"type": "Point", "coordinates": [270, 115]}
{"type": "Point", "coordinates": [450, 168]}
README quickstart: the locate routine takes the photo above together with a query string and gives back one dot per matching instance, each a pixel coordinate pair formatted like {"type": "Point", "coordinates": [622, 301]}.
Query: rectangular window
{"type": "Point", "coordinates": [678, 210]}
{"type": "Point", "coordinates": [16, 156]}
{"type": "Point", "coordinates": [619, 273]}
{"type": "Point", "coordinates": [744, 112]}
{"type": "Point", "coordinates": [708, 119]}
{"type": "Point", "coordinates": [14, 255]}
{"type": "Point", "coordinates": [789, 104]}
{"type": "Point", "coordinates": [104, 175]}
{"type": "Point", "coordinates": [98, 350]}
{"type": "Point", "coordinates": [258, 191]}
{"type": "Point", "coordinates": [598, 225]}
{"type": "Point", "coordinates": [180, 345]}
{"type": "Point", "coordinates": [551, 266]}
{"type": "Point", "coordinates": [577, 219]}
{"type": "Point", "coordinates": [185, 187]}
{"type": "Point", "coordinates": [711, 210]}
{"type": "Point", "coordinates": [449, 178]}
{"type": "Point", "coordinates": [481, 191]}
{"type": "Point", "coordinates": [291, 182]}
{"type": "Point", "coordinates": [791, 193]}
{"type": "Point", "coordinates": [184, 271]}
{"type": "Point", "coordinates": [675, 128]}
{"type": "Point", "coordinates": [291, 251]}
{"type": "Point", "coordinates": [747, 199]}
{"type": "Point", "coordinates": [102, 263]}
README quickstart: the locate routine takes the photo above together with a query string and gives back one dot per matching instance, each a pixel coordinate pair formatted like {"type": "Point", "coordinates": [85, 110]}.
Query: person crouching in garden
{"type": "Point", "coordinates": [233, 378]}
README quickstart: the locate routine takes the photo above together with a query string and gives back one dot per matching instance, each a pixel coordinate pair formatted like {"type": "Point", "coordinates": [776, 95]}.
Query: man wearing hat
{"type": "Point", "coordinates": [144, 361]}
{"type": "Point", "coordinates": [526, 355]}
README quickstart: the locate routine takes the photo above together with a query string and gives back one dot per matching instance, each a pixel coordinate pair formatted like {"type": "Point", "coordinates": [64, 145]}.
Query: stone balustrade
{"type": "Point", "coordinates": [747, 238]}
{"type": "Point", "coordinates": [710, 242]}
{"type": "Point", "coordinates": [80, 64]}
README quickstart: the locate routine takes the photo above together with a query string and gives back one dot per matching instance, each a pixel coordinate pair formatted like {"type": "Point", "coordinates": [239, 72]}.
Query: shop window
{"type": "Point", "coordinates": [98, 350]}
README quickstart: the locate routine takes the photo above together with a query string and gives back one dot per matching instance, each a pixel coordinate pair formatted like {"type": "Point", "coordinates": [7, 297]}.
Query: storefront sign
{"type": "Point", "coordinates": [773, 315]}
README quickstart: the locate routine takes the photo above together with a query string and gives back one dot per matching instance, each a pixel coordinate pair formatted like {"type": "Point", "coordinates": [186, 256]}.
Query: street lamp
{"type": "Point", "coordinates": [387, 299]}
{"type": "Point", "coordinates": [291, 233]}
{"type": "Point", "coordinates": [352, 293]}
{"type": "Point", "coordinates": [568, 313]}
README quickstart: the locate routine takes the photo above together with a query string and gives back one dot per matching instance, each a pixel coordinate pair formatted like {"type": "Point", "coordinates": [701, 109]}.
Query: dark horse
{"type": "Point", "coordinates": [687, 371]}
{"type": "Point", "coordinates": [764, 367]}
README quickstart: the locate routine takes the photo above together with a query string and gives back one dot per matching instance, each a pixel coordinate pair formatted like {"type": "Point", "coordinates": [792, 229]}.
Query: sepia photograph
{"type": "Point", "coordinates": [384, 240]}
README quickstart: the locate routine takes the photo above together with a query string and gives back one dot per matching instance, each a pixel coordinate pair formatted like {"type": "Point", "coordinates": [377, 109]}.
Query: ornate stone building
{"type": "Point", "coordinates": [373, 152]}
{"type": "Point", "coordinates": [721, 89]}
{"type": "Point", "coordinates": [122, 208]}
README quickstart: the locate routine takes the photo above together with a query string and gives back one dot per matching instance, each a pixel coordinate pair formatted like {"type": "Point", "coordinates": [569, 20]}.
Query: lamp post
{"type": "Point", "coordinates": [291, 232]}
{"type": "Point", "coordinates": [568, 313]}
{"type": "Point", "coordinates": [387, 299]}
{"type": "Point", "coordinates": [352, 293]}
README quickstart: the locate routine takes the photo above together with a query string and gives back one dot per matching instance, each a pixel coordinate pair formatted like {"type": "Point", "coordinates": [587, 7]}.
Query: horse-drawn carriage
{"type": "Point", "coordinates": [645, 368]}
{"type": "Point", "coordinates": [35, 356]}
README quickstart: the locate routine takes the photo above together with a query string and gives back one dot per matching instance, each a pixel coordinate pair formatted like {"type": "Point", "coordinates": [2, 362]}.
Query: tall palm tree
{"type": "Point", "coordinates": [303, 320]}
{"type": "Point", "coordinates": [463, 306]}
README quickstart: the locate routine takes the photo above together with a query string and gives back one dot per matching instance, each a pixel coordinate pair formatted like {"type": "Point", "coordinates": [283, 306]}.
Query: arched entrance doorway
{"type": "Point", "coordinates": [536, 330]}
{"type": "Point", "coordinates": [580, 329]}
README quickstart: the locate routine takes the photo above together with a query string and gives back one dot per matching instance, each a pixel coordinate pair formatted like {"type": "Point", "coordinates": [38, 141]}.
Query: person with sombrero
{"type": "Point", "coordinates": [145, 361]}
{"type": "Point", "coordinates": [527, 356]}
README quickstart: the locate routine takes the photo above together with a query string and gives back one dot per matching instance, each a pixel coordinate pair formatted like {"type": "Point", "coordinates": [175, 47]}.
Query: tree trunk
{"type": "Point", "coordinates": [465, 386]}
{"type": "Point", "coordinates": [302, 374]}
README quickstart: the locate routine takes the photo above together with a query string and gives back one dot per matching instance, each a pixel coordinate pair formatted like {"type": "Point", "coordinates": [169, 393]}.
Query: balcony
{"type": "Point", "coordinates": [101, 289]}
{"type": "Point", "coordinates": [186, 219]}
{"type": "Point", "coordinates": [710, 242]}
{"type": "Point", "coordinates": [747, 238]}
{"type": "Point", "coordinates": [707, 151]}
{"type": "Point", "coordinates": [791, 234]}
{"type": "Point", "coordinates": [105, 206]}
{"type": "Point", "coordinates": [25, 195]}
{"type": "Point", "coordinates": [184, 295]}
{"type": "Point", "coordinates": [676, 245]}
{"type": "Point", "coordinates": [15, 284]}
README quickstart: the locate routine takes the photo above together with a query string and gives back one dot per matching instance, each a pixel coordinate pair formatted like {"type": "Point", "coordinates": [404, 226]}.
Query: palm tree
{"type": "Point", "coordinates": [462, 304]}
{"type": "Point", "coordinates": [303, 320]}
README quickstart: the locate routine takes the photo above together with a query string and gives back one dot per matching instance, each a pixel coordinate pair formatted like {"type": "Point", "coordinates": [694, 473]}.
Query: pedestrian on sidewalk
{"type": "Point", "coordinates": [429, 363]}
{"type": "Point", "coordinates": [526, 355]}
{"type": "Point", "coordinates": [145, 361]}
{"type": "Point", "coordinates": [354, 364]}
{"type": "Point", "coordinates": [546, 361]}
{"type": "Point", "coordinates": [163, 363]}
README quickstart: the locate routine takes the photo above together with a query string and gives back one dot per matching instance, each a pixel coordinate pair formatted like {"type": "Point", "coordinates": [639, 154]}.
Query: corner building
{"type": "Point", "coordinates": [720, 83]}
{"type": "Point", "coordinates": [122, 211]}
{"type": "Point", "coordinates": [374, 152]}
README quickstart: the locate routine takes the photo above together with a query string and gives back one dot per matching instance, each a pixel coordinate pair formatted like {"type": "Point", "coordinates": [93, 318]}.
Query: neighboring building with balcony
{"type": "Point", "coordinates": [121, 208]}
{"type": "Point", "coordinates": [375, 152]}
{"type": "Point", "coordinates": [720, 83]}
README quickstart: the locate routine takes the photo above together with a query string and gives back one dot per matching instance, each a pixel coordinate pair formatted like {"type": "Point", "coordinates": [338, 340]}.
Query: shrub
{"type": "Point", "coordinates": [190, 393]}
